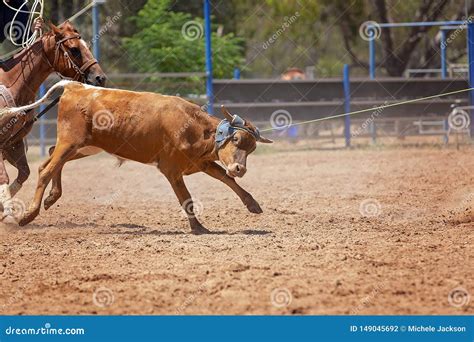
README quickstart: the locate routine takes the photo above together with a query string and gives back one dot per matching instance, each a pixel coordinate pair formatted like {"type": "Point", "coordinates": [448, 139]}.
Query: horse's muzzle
{"type": "Point", "coordinates": [98, 80]}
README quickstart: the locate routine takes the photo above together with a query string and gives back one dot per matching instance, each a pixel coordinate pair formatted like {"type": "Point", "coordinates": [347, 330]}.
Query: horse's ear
{"type": "Point", "coordinates": [56, 30]}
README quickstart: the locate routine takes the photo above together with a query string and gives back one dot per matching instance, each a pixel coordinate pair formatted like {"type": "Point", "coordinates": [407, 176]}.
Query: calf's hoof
{"type": "Point", "coordinates": [253, 206]}
{"type": "Point", "coordinates": [199, 230]}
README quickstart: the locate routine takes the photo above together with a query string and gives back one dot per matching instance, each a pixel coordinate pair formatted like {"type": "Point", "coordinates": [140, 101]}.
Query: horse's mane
{"type": "Point", "coordinates": [7, 64]}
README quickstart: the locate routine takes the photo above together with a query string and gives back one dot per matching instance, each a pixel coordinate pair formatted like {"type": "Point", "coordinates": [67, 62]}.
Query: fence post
{"type": "Point", "coordinates": [207, 29]}
{"type": "Point", "coordinates": [347, 105]}
{"type": "Point", "coordinates": [237, 73]}
{"type": "Point", "coordinates": [95, 29]}
{"type": "Point", "coordinates": [446, 131]}
{"type": "Point", "coordinates": [372, 55]}
{"type": "Point", "coordinates": [470, 44]}
{"type": "Point", "coordinates": [373, 132]}
{"type": "Point", "coordinates": [42, 128]}
{"type": "Point", "coordinates": [443, 54]}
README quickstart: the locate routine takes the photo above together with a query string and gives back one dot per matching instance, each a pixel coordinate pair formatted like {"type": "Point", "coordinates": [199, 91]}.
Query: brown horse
{"type": "Point", "coordinates": [62, 51]}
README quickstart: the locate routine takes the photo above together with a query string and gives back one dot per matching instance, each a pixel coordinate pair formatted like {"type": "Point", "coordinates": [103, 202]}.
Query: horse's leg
{"type": "Point", "coordinates": [5, 195]}
{"type": "Point", "coordinates": [60, 156]}
{"type": "Point", "coordinates": [16, 155]}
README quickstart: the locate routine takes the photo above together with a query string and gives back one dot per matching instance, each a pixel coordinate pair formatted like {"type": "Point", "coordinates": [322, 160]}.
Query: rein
{"type": "Point", "coordinates": [80, 71]}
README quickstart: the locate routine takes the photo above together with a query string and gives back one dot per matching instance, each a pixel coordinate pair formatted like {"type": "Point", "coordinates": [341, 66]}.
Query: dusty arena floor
{"type": "Point", "coordinates": [386, 231]}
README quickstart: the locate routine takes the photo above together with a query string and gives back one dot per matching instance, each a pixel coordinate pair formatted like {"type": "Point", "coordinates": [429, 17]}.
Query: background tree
{"type": "Point", "coordinates": [325, 35]}
{"type": "Point", "coordinates": [169, 41]}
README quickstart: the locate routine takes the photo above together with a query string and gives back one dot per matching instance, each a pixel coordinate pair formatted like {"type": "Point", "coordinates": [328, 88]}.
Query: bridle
{"type": "Point", "coordinates": [80, 71]}
{"type": "Point", "coordinates": [226, 130]}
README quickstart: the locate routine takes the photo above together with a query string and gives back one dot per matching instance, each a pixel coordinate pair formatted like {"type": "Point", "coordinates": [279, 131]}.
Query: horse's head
{"type": "Point", "coordinates": [69, 55]}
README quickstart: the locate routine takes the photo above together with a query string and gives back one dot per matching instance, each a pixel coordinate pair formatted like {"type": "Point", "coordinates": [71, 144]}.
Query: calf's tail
{"type": "Point", "coordinates": [14, 110]}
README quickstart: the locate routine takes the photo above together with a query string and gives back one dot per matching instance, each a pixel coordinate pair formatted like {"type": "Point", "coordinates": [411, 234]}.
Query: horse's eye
{"type": "Point", "coordinates": [235, 139]}
{"type": "Point", "coordinates": [76, 52]}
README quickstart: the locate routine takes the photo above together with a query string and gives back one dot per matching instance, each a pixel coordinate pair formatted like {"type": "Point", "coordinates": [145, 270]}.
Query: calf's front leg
{"type": "Point", "coordinates": [179, 188]}
{"type": "Point", "coordinates": [217, 172]}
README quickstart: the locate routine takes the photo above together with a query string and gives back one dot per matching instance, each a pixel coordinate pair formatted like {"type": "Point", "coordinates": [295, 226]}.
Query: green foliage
{"type": "Point", "coordinates": [160, 44]}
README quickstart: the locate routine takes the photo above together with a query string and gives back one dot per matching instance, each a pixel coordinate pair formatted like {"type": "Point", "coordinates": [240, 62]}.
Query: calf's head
{"type": "Point", "coordinates": [236, 139]}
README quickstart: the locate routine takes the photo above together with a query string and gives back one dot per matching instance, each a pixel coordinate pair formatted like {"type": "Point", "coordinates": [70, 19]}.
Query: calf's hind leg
{"type": "Point", "coordinates": [60, 156]}
{"type": "Point", "coordinates": [56, 187]}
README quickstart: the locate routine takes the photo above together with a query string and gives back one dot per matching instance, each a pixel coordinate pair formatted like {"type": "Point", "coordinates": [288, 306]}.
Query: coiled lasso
{"type": "Point", "coordinates": [15, 28]}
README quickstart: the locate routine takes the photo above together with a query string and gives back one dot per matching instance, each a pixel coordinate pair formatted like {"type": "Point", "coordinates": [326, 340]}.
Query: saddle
{"type": "Point", "coordinates": [10, 101]}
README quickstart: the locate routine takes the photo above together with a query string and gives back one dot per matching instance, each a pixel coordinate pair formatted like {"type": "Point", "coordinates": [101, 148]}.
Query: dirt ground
{"type": "Point", "coordinates": [369, 231]}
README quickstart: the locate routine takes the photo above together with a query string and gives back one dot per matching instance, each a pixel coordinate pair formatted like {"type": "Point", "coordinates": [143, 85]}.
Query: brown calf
{"type": "Point", "coordinates": [166, 131]}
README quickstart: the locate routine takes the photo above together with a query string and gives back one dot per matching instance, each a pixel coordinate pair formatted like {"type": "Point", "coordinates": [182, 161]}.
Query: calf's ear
{"type": "Point", "coordinates": [265, 140]}
{"type": "Point", "coordinates": [226, 113]}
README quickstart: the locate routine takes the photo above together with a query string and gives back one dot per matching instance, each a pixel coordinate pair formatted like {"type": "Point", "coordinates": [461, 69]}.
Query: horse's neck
{"type": "Point", "coordinates": [29, 70]}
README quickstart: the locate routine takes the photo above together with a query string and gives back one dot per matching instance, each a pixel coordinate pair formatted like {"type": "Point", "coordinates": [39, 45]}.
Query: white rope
{"type": "Point", "coordinates": [373, 109]}
{"type": "Point", "coordinates": [75, 16]}
{"type": "Point", "coordinates": [17, 28]}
